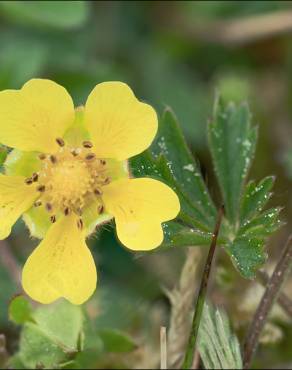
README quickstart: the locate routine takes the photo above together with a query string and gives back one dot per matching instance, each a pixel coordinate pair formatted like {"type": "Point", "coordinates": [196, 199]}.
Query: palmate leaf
{"type": "Point", "coordinates": [232, 142]}
{"type": "Point", "coordinates": [183, 167]}
{"type": "Point", "coordinates": [171, 161]}
{"type": "Point", "coordinates": [218, 346]}
{"type": "Point", "coordinates": [255, 198]}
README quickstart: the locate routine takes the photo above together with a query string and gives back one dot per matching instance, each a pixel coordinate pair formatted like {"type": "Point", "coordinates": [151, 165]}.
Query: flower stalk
{"type": "Point", "coordinates": [270, 296]}
{"type": "Point", "coordinates": [191, 347]}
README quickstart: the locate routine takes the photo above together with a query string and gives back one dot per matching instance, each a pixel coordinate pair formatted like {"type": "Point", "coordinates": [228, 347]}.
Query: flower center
{"type": "Point", "coordinates": [69, 180]}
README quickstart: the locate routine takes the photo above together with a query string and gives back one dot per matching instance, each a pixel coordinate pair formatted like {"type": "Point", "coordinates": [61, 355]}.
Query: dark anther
{"type": "Point", "coordinates": [28, 181]}
{"type": "Point", "coordinates": [74, 153]}
{"type": "Point", "coordinates": [100, 209]}
{"type": "Point", "coordinates": [90, 156]}
{"type": "Point", "coordinates": [80, 223]}
{"type": "Point", "coordinates": [41, 188]}
{"type": "Point", "coordinates": [35, 177]}
{"type": "Point", "coordinates": [49, 207]}
{"type": "Point", "coordinates": [66, 211]}
{"type": "Point", "coordinates": [60, 141]}
{"type": "Point", "coordinates": [42, 156]}
{"type": "Point", "coordinates": [37, 203]}
{"type": "Point", "coordinates": [97, 192]}
{"type": "Point", "coordinates": [106, 181]}
{"type": "Point", "coordinates": [103, 162]}
{"type": "Point", "coordinates": [87, 144]}
{"type": "Point", "coordinates": [53, 219]}
{"type": "Point", "coordinates": [53, 159]}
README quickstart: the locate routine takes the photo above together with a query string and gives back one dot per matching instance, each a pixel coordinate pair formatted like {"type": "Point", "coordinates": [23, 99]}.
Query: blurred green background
{"type": "Point", "coordinates": [174, 53]}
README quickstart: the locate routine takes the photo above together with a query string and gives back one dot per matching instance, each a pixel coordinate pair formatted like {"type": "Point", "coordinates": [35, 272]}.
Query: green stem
{"type": "Point", "coordinates": [189, 355]}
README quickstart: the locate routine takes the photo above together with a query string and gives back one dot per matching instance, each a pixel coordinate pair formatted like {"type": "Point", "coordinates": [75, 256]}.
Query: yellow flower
{"type": "Point", "coordinates": [68, 173]}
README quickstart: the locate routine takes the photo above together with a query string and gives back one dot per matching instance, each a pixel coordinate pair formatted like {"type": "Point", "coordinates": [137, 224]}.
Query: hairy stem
{"type": "Point", "coordinates": [283, 300]}
{"type": "Point", "coordinates": [271, 294]}
{"type": "Point", "coordinates": [191, 347]}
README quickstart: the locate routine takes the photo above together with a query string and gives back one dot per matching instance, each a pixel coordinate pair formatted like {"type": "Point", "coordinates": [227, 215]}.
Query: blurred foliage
{"type": "Point", "coordinates": [61, 336]}
{"type": "Point", "coordinates": [219, 347]}
{"type": "Point", "coordinates": [60, 15]}
{"type": "Point", "coordinates": [79, 44]}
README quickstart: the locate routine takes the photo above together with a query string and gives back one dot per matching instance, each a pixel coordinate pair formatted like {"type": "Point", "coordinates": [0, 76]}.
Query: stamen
{"type": "Point", "coordinates": [53, 219]}
{"type": "Point", "coordinates": [28, 181]}
{"type": "Point", "coordinates": [53, 159]}
{"type": "Point", "coordinates": [106, 181]}
{"type": "Point", "coordinates": [80, 224]}
{"type": "Point", "coordinates": [60, 141]}
{"type": "Point", "coordinates": [90, 156]}
{"type": "Point", "coordinates": [35, 177]}
{"type": "Point", "coordinates": [41, 188]}
{"type": "Point", "coordinates": [87, 144]}
{"type": "Point", "coordinates": [97, 192]}
{"type": "Point", "coordinates": [42, 156]}
{"type": "Point", "coordinates": [49, 207]}
{"type": "Point", "coordinates": [70, 183]}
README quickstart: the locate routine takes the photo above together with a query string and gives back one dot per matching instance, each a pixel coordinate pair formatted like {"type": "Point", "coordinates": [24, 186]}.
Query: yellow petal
{"type": "Point", "coordinates": [61, 266]}
{"type": "Point", "coordinates": [15, 198]}
{"type": "Point", "coordinates": [139, 207]}
{"type": "Point", "coordinates": [120, 126]}
{"type": "Point", "coordinates": [32, 118]}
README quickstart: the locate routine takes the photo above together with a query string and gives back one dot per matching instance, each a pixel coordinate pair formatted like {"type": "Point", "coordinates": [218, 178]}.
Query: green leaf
{"type": "Point", "coordinates": [263, 225]}
{"type": "Point", "coordinates": [53, 337]}
{"type": "Point", "coordinates": [62, 322]}
{"type": "Point", "coordinates": [171, 145]}
{"type": "Point", "coordinates": [247, 254]}
{"type": "Point", "coordinates": [232, 143]}
{"type": "Point", "coordinates": [172, 162]}
{"type": "Point", "coordinates": [146, 165]}
{"type": "Point", "coordinates": [171, 229]}
{"type": "Point", "coordinates": [20, 310]}
{"type": "Point", "coordinates": [3, 154]}
{"type": "Point", "coordinates": [36, 348]}
{"type": "Point", "coordinates": [194, 237]}
{"type": "Point", "coordinates": [116, 341]}
{"type": "Point", "coordinates": [255, 198]}
{"type": "Point", "coordinates": [56, 14]}
{"type": "Point", "coordinates": [218, 346]}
